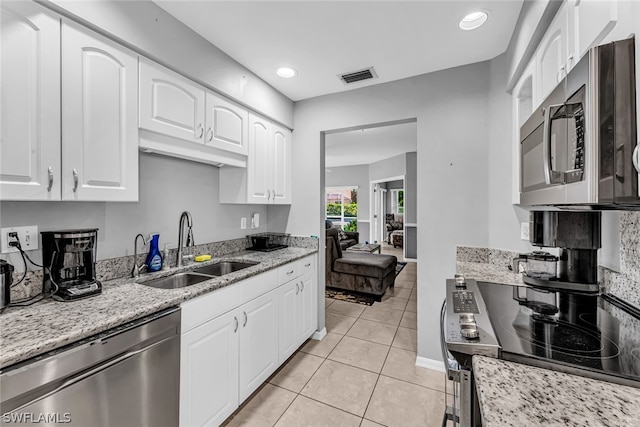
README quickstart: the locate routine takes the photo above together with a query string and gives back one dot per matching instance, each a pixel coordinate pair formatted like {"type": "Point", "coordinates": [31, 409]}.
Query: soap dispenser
{"type": "Point", "coordinates": [154, 259]}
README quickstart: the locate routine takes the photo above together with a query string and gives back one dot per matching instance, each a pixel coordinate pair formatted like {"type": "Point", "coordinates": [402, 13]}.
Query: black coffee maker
{"type": "Point", "coordinates": [69, 261]}
{"type": "Point", "coordinates": [578, 235]}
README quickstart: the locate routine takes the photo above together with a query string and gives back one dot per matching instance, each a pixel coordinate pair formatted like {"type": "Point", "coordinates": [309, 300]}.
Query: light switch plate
{"type": "Point", "coordinates": [524, 231]}
{"type": "Point", "coordinates": [28, 238]}
{"type": "Point", "coordinates": [243, 223]}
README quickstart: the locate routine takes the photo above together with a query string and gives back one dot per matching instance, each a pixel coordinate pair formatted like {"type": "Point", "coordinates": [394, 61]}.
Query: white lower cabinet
{"type": "Point", "coordinates": [209, 372]}
{"type": "Point", "coordinates": [232, 339]}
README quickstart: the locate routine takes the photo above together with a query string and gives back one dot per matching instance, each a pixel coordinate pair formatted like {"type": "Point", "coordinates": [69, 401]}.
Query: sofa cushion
{"type": "Point", "coordinates": [342, 235]}
{"type": "Point", "coordinates": [364, 264]}
{"type": "Point", "coordinates": [344, 244]}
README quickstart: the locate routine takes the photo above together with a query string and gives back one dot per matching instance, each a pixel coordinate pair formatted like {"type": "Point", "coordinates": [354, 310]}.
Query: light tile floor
{"type": "Point", "coordinates": [362, 373]}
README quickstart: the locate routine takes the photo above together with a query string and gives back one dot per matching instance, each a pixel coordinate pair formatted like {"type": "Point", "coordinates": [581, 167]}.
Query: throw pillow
{"type": "Point", "coordinates": [342, 235]}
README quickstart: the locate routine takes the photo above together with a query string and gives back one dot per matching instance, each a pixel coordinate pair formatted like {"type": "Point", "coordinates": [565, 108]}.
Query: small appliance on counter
{"type": "Point", "coordinates": [267, 242]}
{"type": "Point", "coordinates": [69, 261]}
{"type": "Point", "coordinates": [577, 234]}
{"type": "Point", "coordinates": [6, 280]}
{"type": "Point", "coordinates": [537, 264]}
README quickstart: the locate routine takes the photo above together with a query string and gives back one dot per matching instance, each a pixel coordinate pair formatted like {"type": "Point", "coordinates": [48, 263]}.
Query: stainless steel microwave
{"type": "Point", "coordinates": [579, 148]}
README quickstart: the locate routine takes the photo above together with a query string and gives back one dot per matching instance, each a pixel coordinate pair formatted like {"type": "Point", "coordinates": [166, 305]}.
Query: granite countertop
{"type": "Point", "coordinates": [485, 272]}
{"type": "Point", "coordinates": [26, 332]}
{"type": "Point", "coordinates": [512, 394]}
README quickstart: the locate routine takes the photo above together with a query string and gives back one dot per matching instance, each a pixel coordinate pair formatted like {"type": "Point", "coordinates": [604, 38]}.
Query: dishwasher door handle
{"type": "Point", "coordinates": [91, 372]}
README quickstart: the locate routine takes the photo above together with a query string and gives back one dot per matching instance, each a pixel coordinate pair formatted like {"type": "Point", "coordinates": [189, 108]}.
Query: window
{"type": "Point", "coordinates": [342, 206]}
{"type": "Point", "coordinates": [397, 201]}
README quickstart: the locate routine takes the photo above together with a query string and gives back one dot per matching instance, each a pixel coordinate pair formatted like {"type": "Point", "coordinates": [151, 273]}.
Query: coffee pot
{"type": "Point", "coordinates": [537, 264]}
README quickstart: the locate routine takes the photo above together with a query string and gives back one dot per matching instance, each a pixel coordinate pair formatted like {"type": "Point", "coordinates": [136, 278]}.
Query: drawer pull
{"type": "Point", "coordinates": [308, 265]}
{"type": "Point", "coordinates": [289, 272]}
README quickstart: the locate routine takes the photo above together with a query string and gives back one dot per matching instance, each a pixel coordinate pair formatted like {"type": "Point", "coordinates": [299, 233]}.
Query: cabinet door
{"type": "Point", "coordinates": [209, 372]}
{"type": "Point", "coordinates": [171, 104]}
{"type": "Point", "coordinates": [30, 82]}
{"type": "Point", "coordinates": [288, 319]}
{"type": "Point", "coordinates": [258, 342]}
{"type": "Point", "coordinates": [259, 160]}
{"type": "Point", "coordinates": [307, 306]}
{"type": "Point", "coordinates": [227, 125]}
{"type": "Point", "coordinates": [592, 21]}
{"type": "Point", "coordinates": [281, 166]}
{"type": "Point", "coordinates": [99, 118]}
{"type": "Point", "coordinates": [552, 53]}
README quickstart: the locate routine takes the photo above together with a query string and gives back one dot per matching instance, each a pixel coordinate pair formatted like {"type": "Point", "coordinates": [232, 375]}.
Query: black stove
{"type": "Point", "coordinates": [586, 334]}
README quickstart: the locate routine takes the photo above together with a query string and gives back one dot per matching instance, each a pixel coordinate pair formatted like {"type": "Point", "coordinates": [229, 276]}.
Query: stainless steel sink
{"type": "Point", "coordinates": [224, 267]}
{"type": "Point", "coordinates": [176, 281]}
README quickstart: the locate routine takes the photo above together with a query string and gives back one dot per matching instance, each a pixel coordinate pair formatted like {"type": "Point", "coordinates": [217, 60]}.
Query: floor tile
{"type": "Point", "coordinates": [412, 306]}
{"type": "Point", "coordinates": [342, 386]}
{"type": "Point", "coordinates": [409, 320]}
{"type": "Point", "coordinates": [401, 365]}
{"type": "Point", "coordinates": [298, 370]}
{"type": "Point", "coordinates": [328, 302]}
{"type": "Point", "coordinates": [407, 339]}
{"type": "Point", "coordinates": [309, 413]}
{"type": "Point", "coordinates": [395, 303]}
{"type": "Point", "coordinates": [404, 284]}
{"type": "Point", "coordinates": [264, 408]}
{"type": "Point", "coordinates": [360, 353]}
{"type": "Point", "coordinates": [373, 331]}
{"type": "Point", "coordinates": [337, 323]}
{"type": "Point", "coordinates": [399, 404]}
{"type": "Point", "coordinates": [383, 315]}
{"type": "Point", "coordinates": [398, 292]}
{"type": "Point", "coordinates": [414, 293]}
{"type": "Point", "coordinates": [367, 423]}
{"type": "Point", "coordinates": [346, 308]}
{"type": "Point", "coordinates": [324, 347]}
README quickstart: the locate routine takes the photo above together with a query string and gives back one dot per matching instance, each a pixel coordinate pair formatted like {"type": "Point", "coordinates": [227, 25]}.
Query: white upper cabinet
{"type": "Point", "coordinates": [267, 178]}
{"type": "Point", "coordinates": [551, 56]}
{"type": "Point", "coordinates": [30, 82]}
{"type": "Point", "coordinates": [99, 118]}
{"type": "Point", "coordinates": [592, 21]}
{"type": "Point", "coordinates": [281, 169]}
{"type": "Point", "coordinates": [171, 104]}
{"type": "Point", "coordinates": [227, 124]}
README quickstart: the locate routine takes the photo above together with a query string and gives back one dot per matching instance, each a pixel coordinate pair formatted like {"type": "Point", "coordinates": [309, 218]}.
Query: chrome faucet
{"type": "Point", "coordinates": [135, 271]}
{"type": "Point", "coordinates": [185, 216]}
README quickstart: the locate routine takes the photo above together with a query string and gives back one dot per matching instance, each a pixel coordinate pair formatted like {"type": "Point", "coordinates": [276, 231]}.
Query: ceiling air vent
{"type": "Point", "coordinates": [356, 76]}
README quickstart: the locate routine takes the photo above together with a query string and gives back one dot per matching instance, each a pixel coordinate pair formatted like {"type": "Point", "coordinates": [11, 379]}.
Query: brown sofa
{"type": "Point", "coordinates": [356, 271]}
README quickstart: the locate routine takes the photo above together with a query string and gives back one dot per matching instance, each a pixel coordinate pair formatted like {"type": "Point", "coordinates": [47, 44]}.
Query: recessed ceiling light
{"type": "Point", "coordinates": [286, 72]}
{"type": "Point", "coordinates": [473, 20]}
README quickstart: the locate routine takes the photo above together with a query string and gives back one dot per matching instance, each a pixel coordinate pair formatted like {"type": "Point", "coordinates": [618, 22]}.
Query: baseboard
{"type": "Point", "coordinates": [436, 365]}
{"type": "Point", "coordinates": [411, 259]}
{"type": "Point", "coordinates": [318, 335]}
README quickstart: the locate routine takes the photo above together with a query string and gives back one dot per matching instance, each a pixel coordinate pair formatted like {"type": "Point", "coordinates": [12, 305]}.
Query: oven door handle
{"type": "Point", "coordinates": [451, 365]}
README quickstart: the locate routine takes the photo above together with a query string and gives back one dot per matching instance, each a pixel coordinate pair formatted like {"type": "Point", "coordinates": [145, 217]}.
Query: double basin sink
{"type": "Point", "coordinates": [198, 275]}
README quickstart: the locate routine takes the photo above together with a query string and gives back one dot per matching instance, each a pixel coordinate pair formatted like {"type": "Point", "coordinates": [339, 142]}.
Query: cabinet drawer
{"type": "Point", "coordinates": [289, 271]}
{"type": "Point", "coordinates": [307, 264]}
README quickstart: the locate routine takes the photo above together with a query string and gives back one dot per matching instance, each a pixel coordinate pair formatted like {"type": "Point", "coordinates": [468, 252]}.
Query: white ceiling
{"type": "Point", "coordinates": [322, 39]}
{"type": "Point", "coordinates": [363, 147]}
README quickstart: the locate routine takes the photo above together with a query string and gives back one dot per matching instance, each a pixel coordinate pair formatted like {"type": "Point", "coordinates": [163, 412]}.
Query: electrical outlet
{"type": "Point", "coordinates": [28, 238]}
{"type": "Point", "coordinates": [243, 223]}
{"type": "Point", "coordinates": [524, 231]}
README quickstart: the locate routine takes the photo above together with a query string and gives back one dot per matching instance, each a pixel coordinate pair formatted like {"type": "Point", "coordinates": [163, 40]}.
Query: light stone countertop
{"type": "Point", "coordinates": [485, 272]}
{"type": "Point", "coordinates": [26, 332]}
{"type": "Point", "coordinates": [512, 394]}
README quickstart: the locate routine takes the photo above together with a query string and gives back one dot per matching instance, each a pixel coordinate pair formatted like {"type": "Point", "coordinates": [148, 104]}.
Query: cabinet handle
{"type": "Point", "coordinates": [75, 181]}
{"type": "Point", "coordinates": [201, 130]}
{"type": "Point", "coordinates": [268, 195]}
{"type": "Point", "coordinates": [209, 135]}
{"type": "Point", "coordinates": [237, 324]}
{"type": "Point", "coordinates": [301, 286]}
{"type": "Point", "coordinates": [246, 319]}
{"type": "Point", "coordinates": [569, 61]}
{"type": "Point", "coordinates": [636, 158]}
{"type": "Point", "coordinates": [50, 177]}
{"type": "Point", "coordinates": [308, 265]}
{"type": "Point", "coordinates": [560, 75]}
{"type": "Point", "coordinates": [289, 273]}
{"type": "Point", "coordinates": [297, 289]}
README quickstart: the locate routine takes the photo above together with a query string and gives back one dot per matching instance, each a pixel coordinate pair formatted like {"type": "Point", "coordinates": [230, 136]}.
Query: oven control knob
{"type": "Point", "coordinates": [460, 282]}
{"type": "Point", "coordinates": [470, 333]}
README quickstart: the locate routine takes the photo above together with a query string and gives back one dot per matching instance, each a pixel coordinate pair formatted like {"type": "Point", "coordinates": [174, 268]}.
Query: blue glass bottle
{"type": "Point", "coordinates": [154, 259]}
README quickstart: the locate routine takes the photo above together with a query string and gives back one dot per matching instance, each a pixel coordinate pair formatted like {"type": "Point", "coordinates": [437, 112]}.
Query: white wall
{"type": "Point", "coordinates": [147, 28]}
{"type": "Point", "coordinates": [388, 168]}
{"type": "Point", "coordinates": [452, 177]}
{"type": "Point", "coordinates": [168, 186]}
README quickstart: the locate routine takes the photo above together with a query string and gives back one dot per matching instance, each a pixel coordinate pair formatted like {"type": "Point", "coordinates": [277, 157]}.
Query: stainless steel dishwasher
{"type": "Point", "coordinates": [127, 376]}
